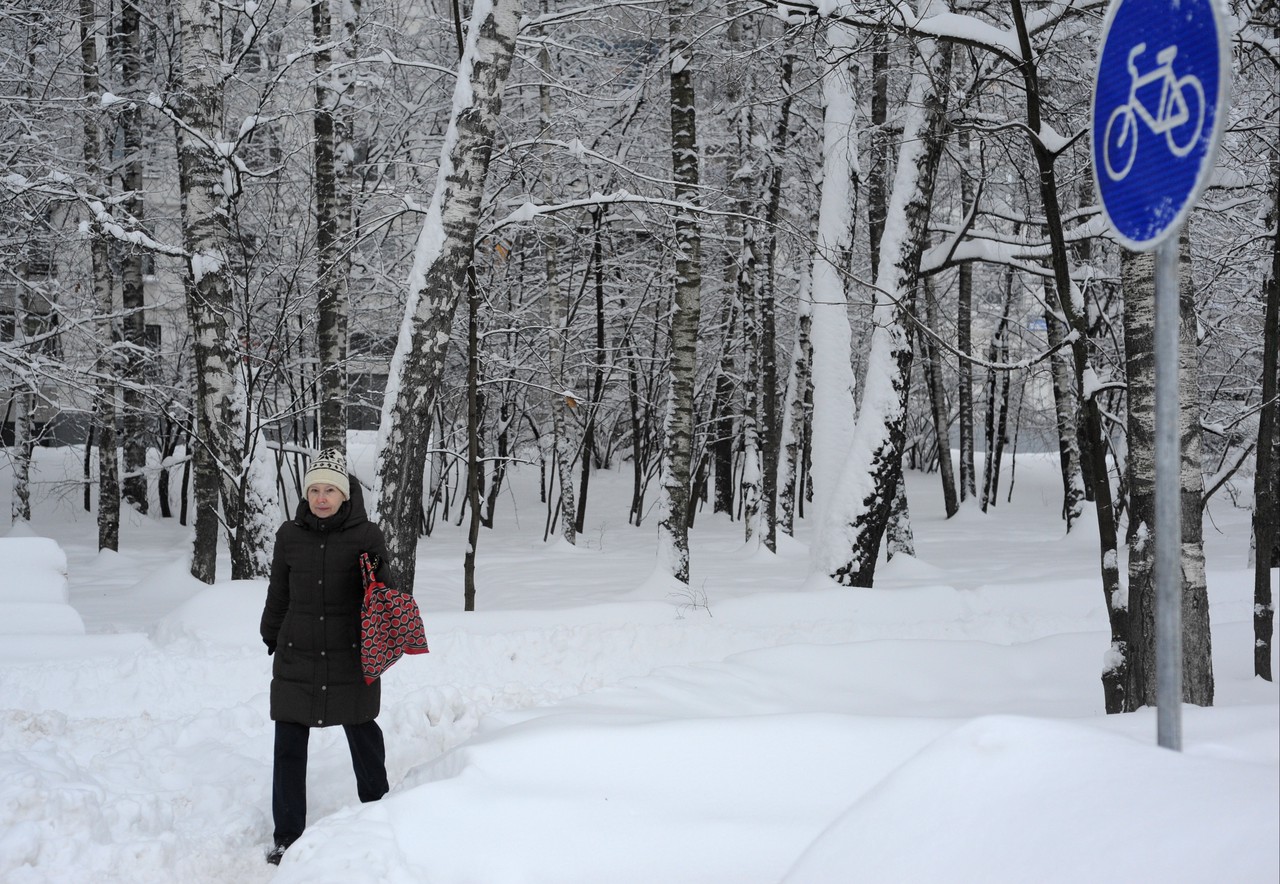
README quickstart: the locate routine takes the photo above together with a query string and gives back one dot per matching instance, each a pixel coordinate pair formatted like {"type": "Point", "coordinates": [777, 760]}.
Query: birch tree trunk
{"type": "Point", "coordinates": [332, 223]}
{"type": "Point", "coordinates": [132, 295]}
{"type": "Point", "coordinates": [869, 482]}
{"type": "Point", "coordinates": [795, 416]}
{"type": "Point", "coordinates": [1138, 275]}
{"type": "Point", "coordinates": [23, 402]}
{"type": "Point", "coordinates": [1066, 405]}
{"type": "Point", "coordinates": [557, 334]}
{"type": "Point", "coordinates": [208, 184]}
{"type": "Point", "coordinates": [1197, 648]}
{"type": "Point", "coordinates": [105, 406]}
{"type": "Point", "coordinates": [673, 505]}
{"type": "Point", "coordinates": [438, 279]}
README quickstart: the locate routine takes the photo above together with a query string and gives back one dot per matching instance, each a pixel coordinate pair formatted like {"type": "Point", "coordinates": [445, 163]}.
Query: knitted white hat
{"type": "Point", "coordinates": [328, 467]}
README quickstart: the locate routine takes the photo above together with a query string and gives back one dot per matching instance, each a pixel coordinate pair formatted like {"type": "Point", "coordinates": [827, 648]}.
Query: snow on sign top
{"type": "Point", "coordinates": [1160, 101]}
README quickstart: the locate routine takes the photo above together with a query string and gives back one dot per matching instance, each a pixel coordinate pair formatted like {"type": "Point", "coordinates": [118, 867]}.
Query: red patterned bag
{"type": "Point", "coordinates": [390, 623]}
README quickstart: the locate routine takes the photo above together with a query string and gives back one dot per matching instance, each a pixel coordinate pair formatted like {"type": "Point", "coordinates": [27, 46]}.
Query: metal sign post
{"type": "Point", "coordinates": [1168, 502]}
{"type": "Point", "coordinates": [1159, 106]}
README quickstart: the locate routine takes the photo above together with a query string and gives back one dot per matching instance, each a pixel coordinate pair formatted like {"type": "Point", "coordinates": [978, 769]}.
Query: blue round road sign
{"type": "Point", "coordinates": [1159, 105]}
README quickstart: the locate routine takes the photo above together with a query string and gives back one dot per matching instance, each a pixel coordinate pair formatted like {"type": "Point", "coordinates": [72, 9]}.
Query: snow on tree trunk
{"type": "Point", "coordinates": [831, 366]}
{"type": "Point", "coordinates": [854, 525]}
{"type": "Point", "coordinates": [677, 441]}
{"type": "Point", "coordinates": [438, 278]}
{"type": "Point", "coordinates": [332, 267]}
{"type": "Point", "coordinates": [899, 538]}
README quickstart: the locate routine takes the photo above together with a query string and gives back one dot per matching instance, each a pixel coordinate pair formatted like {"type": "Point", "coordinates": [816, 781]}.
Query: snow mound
{"type": "Point", "coordinates": [1201, 819]}
{"type": "Point", "coordinates": [33, 589]}
{"type": "Point", "coordinates": [223, 614]}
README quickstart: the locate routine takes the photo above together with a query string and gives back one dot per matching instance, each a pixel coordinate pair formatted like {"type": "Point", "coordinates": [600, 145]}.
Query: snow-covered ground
{"type": "Point", "coordinates": [584, 728]}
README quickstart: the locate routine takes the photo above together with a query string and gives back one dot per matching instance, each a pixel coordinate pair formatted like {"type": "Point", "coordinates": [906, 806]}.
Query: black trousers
{"type": "Point", "coordinates": [289, 780]}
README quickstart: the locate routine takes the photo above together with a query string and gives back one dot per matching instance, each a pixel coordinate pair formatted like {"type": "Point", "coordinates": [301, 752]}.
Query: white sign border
{"type": "Point", "coordinates": [1210, 160]}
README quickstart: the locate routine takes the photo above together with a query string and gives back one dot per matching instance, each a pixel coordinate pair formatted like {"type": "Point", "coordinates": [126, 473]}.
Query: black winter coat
{"type": "Point", "coordinates": [312, 616]}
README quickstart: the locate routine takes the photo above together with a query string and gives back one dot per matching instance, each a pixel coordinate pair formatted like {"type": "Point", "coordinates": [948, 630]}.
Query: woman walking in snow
{"type": "Point", "coordinates": [311, 623]}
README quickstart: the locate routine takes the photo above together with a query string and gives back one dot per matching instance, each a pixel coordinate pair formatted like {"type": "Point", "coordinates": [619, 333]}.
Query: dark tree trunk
{"type": "Point", "coordinates": [1266, 482]}
{"type": "Point", "coordinates": [331, 266]}
{"type": "Point", "coordinates": [136, 429]}
{"type": "Point", "coordinates": [938, 402]}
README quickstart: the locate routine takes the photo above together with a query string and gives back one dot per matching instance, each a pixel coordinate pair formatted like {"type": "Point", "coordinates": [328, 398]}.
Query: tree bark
{"type": "Point", "coordinates": [332, 268]}
{"type": "Point", "coordinates": [938, 403]}
{"type": "Point", "coordinates": [964, 338]}
{"type": "Point", "coordinates": [1137, 275]}
{"type": "Point", "coordinates": [209, 304]}
{"type": "Point", "coordinates": [673, 526]}
{"type": "Point", "coordinates": [1197, 648]}
{"type": "Point", "coordinates": [1266, 481]}
{"type": "Point", "coordinates": [439, 278]}
{"type": "Point", "coordinates": [105, 410]}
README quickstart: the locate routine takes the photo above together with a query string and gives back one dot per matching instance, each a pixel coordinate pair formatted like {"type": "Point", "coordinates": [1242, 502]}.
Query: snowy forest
{"type": "Point", "coordinates": [764, 257]}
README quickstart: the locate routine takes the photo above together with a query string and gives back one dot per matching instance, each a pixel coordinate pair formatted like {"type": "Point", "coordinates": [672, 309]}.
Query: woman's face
{"type": "Point", "coordinates": [324, 500]}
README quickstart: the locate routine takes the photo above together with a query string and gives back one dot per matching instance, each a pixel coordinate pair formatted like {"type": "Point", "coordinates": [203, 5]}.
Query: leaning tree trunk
{"type": "Point", "coordinates": [1093, 450]}
{"type": "Point", "coordinates": [673, 524]}
{"type": "Point", "coordinates": [438, 279]}
{"type": "Point", "coordinates": [869, 482]}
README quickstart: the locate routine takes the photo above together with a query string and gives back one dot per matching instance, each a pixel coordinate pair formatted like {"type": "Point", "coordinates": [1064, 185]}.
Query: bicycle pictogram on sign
{"type": "Point", "coordinates": [1179, 112]}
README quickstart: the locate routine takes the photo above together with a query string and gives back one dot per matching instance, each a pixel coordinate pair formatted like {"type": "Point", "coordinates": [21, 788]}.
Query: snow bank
{"type": "Point", "coordinates": [1000, 796]}
{"type": "Point", "coordinates": [33, 589]}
